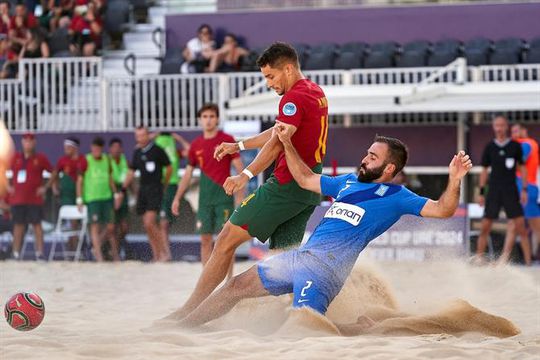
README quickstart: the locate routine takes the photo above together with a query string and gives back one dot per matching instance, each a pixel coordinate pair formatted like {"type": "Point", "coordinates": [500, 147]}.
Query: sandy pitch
{"type": "Point", "coordinates": [98, 311]}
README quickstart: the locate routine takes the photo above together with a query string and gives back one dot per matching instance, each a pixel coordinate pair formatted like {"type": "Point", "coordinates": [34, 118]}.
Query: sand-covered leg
{"type": "Point", "coordinates": [243, 286]}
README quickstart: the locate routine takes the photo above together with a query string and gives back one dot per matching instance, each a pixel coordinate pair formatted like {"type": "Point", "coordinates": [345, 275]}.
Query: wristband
{"type": "Point", "coordinates": [483, 190]}
{"type": "Point", "coordinates": [242, 147]}
{"type": "Point", "coordinates": [79, 201]}
{"type": "Point", "coordinates": [248, 173]}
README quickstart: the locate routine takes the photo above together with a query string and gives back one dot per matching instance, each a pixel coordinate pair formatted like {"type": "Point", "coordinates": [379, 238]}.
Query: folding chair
{"type": "Point", "coordinates": [62, 233]}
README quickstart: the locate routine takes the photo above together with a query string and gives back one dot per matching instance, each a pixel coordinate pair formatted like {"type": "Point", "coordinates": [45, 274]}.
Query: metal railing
{"type": "Point", "coordinates": [164, 101]}
{"type": "Point", "coordinates": [71, 94]}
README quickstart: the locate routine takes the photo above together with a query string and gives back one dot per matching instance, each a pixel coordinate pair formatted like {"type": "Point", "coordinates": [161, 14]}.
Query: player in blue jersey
{"type": "Point", "coordinates": [366, 206]}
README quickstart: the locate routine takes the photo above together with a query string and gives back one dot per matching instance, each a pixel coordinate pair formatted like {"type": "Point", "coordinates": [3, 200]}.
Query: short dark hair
{"type": "Point", "coordinates": [98, 141]}
{"type": "Point", "coordinates": [206, 107]}
{"type": "Point", "coordinates": [115, 140]}
{"type": "Point", "coordinates": [399, 153]}
{"type": "Point", "coordinates": [232, 36]}
{"type": "Point", "coordinates": [499, 115]}
{"type": "Point", "coordinates": [205, 26]}
{"type": "Point", "coordinates": [277, 54]}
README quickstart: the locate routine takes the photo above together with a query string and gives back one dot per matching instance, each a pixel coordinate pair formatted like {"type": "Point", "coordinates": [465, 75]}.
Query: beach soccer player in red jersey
{"type": "Point", "coordinates": [278, 210]}
{"type": "Point", "coordinates": [215, 206]}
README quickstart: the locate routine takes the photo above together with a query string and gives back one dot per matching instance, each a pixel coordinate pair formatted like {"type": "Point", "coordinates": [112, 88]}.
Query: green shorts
{"type": "Point", "coordinates": [276, 212]}
{"type": "Point", "coordinates": [166, 203]}
{"type": "Point", "coordinates": [100, 211]}
{"type": "Point", "coordinates": [212, 217]}
{"type": "Point", "coordinates": [122, 212]}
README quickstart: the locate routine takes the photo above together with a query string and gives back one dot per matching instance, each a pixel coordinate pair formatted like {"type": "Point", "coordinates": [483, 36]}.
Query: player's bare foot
{"type": "Point", "coordinates": [177, 315]}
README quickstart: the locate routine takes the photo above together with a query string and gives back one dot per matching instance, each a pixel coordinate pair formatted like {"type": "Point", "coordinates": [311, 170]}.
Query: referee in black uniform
{"type": "Point", "coordinates": [503, 156]}
{"type": "Point", "coordinates": [150, 160]}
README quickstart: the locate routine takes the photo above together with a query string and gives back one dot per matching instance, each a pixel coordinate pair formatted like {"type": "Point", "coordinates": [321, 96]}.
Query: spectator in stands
{"type": "Point", "coordinates": [20, 23]}
{"type": "Point", "coordinates": [85, 30]}
{"type": "Point", "coordinates": [150, 160]}
{"type": "Point", "coordinates": [60, 9]}
{"type": "Point", "coordinates": [10, 69]}
{"type": "Point", "coordinates": [198, 51]}
{"type": "Point", "coordinates": [503, 156]}
{"type": "Point", "coordinates": [35, 47]}
{"type": "Point", "coordinates": [227, 57]}
{"type": "Point", "coordinates": [95, 187]}
{"type": "Point", "coordinates": [5, 19]}
{"type": "Point", "coordinates": [531, 158]}
{"type": "Point", "coordinates": [26, 194]}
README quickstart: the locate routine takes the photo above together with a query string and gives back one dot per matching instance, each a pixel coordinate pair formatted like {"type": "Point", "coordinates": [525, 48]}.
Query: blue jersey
{"type": "Point", "coordinates": [316, 272]}
{"type": "Point", "coordinates": [361, 212]}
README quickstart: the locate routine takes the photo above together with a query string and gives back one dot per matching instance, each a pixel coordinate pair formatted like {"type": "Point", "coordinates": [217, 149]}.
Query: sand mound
{"type": "Point", "coordinates": [366, 293]}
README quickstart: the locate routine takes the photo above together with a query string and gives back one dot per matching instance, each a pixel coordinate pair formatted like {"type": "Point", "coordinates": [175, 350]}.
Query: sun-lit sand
{"type": "Point", "coordinates": [96, 311]}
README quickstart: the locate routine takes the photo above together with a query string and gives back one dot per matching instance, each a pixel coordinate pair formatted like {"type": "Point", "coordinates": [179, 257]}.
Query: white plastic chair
{"type": "Point", "coordinates": [69, 213]}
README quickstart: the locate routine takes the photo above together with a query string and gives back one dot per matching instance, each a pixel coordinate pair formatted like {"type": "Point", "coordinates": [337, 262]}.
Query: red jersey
{"type": "Point", "coordinates": [201, 154]}
{"type": "Point", "coordinates": [531, 159]}
{"type": "Point", "coordinates": [71, 167]}
{"type": "Point", "coordinates": [304, 106]}
{"type": "Point", "coordinates": [30, 21]}
{"type": "Point", "coordinates": [79, 24]}
{"type": "Point", "coordinates": [27, 178]}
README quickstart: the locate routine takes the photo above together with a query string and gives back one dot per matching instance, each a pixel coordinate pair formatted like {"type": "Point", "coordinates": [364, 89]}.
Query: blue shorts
{"type": "Point", "coordinates": [532, 208]}
{"type": "Point", "coordinates": [313, 283]}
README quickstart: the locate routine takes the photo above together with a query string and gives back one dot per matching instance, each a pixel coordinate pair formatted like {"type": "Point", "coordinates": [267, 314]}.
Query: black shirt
{"type": "Point", "coordinates": [503, 159]}
{"type": "Point", "coordinates": [150, 161]}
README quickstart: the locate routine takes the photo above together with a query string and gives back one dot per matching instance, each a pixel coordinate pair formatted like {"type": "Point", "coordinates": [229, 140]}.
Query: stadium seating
{"type": "Point", "coordinates": [504, 57]}
{"type": "Point", "coordinates": [379, 59]}
{"type": "Point", "coordinates": [348, 60]}
{"type": "Point", "coordinates": [442, 57]}
{"type": "Point", "coordinates": [320, 60]}
{"type": "Point", "coordinates": [533, 56]}
{"type": "Point", "coordinates": [418, 46]}
{"type": "Point", "coordinates": [412, 58]}
{"type": "Point", "coordinates": [418, 53]}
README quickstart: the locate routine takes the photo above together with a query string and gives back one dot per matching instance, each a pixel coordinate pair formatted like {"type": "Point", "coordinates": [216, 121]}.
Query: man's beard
{"type": "Point", "coordinates": [368, 175]}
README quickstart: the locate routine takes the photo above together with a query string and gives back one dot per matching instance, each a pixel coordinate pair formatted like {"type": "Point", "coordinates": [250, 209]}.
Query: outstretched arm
{"type": "Point", "coordinates": [254, 142]}
{"type": "Point", "coordinates": [264, 158]}
{"type": "Point", "coordinates": [449, 200]}
{"type": "Point", "coordinates": [303, 175]}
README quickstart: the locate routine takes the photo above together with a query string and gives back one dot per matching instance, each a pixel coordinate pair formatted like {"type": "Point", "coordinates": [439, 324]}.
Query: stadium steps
{"type": "Point", "coordinates": [139, 41]}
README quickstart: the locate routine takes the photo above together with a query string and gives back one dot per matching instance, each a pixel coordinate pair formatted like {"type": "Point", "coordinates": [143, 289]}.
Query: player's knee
{"type": "Point", "coordinates": [226, 241]}
{"type": "Point", "coordinates": [239, 285]}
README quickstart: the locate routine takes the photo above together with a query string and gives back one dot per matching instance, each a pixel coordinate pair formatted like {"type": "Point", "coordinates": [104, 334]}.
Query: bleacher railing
{"type": "Point", "coordinates": [71, 94]}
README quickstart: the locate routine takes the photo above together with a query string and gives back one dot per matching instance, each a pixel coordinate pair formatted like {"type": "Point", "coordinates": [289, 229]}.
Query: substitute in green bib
{"type": "Point", "coordinates": [95, 189]}
{"type": "Point", "coordinates": [168, 142]}
{"type": "Point", "coordinates": [215, 206]}
{"type": "Point", "coordinates": [120, 169]}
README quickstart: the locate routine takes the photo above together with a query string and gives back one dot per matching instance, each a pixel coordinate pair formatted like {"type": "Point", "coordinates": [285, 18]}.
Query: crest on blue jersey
{"type": "Point", "coordinates": [382, 190]}
{"type": "Point", "coordinates": [289, 109]}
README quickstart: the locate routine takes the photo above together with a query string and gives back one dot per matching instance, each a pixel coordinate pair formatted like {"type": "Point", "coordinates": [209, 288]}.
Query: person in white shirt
{"type": "Point", "coordinates": [198, 51]}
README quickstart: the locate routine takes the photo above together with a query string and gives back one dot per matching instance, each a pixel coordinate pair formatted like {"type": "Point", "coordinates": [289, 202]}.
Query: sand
{"type": "Point", "coordinates": [106, 311]}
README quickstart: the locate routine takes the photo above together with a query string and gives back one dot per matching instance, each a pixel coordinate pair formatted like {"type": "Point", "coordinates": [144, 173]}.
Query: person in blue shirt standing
{"type": "Point", "coordinates": [366, 205]}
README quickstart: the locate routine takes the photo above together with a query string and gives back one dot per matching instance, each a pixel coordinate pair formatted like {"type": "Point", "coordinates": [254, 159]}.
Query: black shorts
{"type": "Point", "coordinates": [27, 214]}
{"type": "Point", "coordinates": [150, 198]}
{"type": "Point", "coordinates": [506, 197]}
